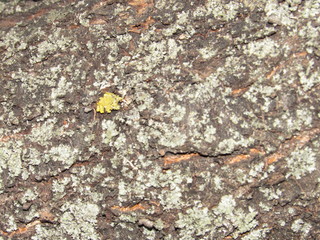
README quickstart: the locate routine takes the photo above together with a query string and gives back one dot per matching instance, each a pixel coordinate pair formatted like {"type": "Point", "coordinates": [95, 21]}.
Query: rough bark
{"type": "Point", "coordinates": [218, 132]}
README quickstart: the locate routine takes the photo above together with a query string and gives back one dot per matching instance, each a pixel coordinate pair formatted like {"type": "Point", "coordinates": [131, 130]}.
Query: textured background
{"type": "Point", "coordinates": [217, 136]}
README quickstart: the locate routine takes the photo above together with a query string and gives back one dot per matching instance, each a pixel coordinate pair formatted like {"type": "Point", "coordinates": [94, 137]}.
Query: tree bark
{"type": "Point", "coordinates": [217, 135]}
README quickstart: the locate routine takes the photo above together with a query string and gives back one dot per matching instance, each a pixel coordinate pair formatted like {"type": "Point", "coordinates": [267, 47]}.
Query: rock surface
{"type": "Point", "coordinates": [218, 132]}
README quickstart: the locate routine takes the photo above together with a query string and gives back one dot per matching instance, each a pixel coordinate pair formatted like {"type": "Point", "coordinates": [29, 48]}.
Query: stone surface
{"type": "Point", "coordinates": [218, 132]}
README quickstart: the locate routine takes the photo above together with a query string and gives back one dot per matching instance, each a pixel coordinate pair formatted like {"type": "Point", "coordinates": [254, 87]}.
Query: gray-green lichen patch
{"type": "Point", "coordinates": [64, 154]}
{"type": "Point", "coordinates": [171, 183]}
{"type": "Point", "coordinates": [196, 222]}
{"type": "Point", "coordinates": [79, 220]}
{"type": "Point", "coordinates": [300, 226]}
{"type": "Point", "coordinates": [109, 131]}
{"type": "Point", "coordinates": [11, 164]}
{"type": "Point", "coordinates": [202, 222]}
{"type": "Point", "coordinates": [301, 162]}
{"type": "Point", "coordinates": [59, 187]}
{"type": "Point", "coordinates": [280, 13]}
{"type": "Point", "coordinates": [262, 49]}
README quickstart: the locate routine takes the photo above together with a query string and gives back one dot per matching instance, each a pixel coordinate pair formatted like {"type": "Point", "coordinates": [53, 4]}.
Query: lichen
{"type": "Point", "coordinates": [108, 102]}
{"type": "Point", "coordinates": [109, 128]}
{"type": "Point", "coordinates": [64, 154]}
{"type": "Point", "coordinates": [301, 226]}
{"type": "Point", "coordinates": [196, 222]}
{"type": "Point", "coordinates": [301, 162]}
{"type": "Point", "coordinates": [79, 220]}
{"type": "Point", "coordinates": [263, 48]}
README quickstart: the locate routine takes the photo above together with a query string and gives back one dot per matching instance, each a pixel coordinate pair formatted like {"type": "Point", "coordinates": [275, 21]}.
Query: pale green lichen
{"type": "Point", "coordinates": [120, 142]}
{"type": "Point", "coordinates": [149, 234]}
{"type": "Point", "coordinates": [271, 194]}
{"type": "Point", "coordinates": [200, 128]}
{"type": "Point", "coordinates": [197, 221]}
{"type": "Point", "coordinates": [229, 145]}
{"type": "Point", "coordinates": [171, 110]}
{"type": "Point", "coordinates": [301, 162]}
{"type": "Point", "coordinates": [207, 52]}
{"type": "Point", "coordinates": [10, 224]}
{"type": "Point", "coordinates": [210, 134]}
{"type": "Point", "coordinates": [218, 183]}
{"type": "Point", "coordinates": [29, 195]}
{"type": "Point", "coordinates": [265, 207]}
{"type": "Point", "coordinates": [60, 91]}
{"type": "Point", "coordinates": [226, 205]}
{"type": "Point", "coordinates": [43, 232]}
{"type": "Point", "coordinates": [79, 220]}
{"type": "Point", "coordinates": [256, 234]}
{"type": "Point", "coordinates": [63, 153]}
{"type": "Point", "coordinates": [58, 187]}
{"type": "Point", "coordinates": [311, 34]}
{"type": "Point", "coordinates": [301, 226]}
{"type": "Point", "coordinates": [43, 133]}
{"type": "Point", "coordinates": [309, 79]}
{"type": "Point", "coordinates": [243, 221]}
{"type": "Point", "coordinates": [31, 156]}
{"type": "Point", "coordinates": [144, 100]}
{"type": "Point", "coordinates": [171, 182]}
{"type": "Point", "coordinates": [263, 48]}
{"type": "Point", "coordinates": [168, 135]}
{"type": "Point", "coordinates": [279, 13]}
{"type": "Point", "coordinates": [223, 11]}
{"type": "Point", "coordinates": [109, 128]}
{"type": "Point", "coordinates": [56, 15]}
{"type": "Point", "coordinates": [53, 43]}
{"type": "Point", "coordinates": [311, 9]}
{"type": "Point", "coordinates": [200, 221]}
{"type": "Point", "coordinates": [159, 224]}
{"type": "Point", "coordinates": [10, 159]}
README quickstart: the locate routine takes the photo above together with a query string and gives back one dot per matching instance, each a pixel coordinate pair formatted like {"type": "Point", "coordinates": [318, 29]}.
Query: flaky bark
{"type": "Point", "coordinates": [218, 132]}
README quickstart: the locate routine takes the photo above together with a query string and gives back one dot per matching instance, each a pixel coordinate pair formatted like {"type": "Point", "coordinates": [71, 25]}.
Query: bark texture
{"type": "Point", "coordinates": [217, 135]}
